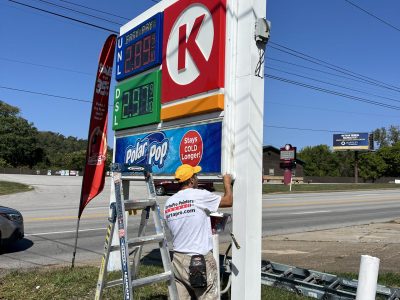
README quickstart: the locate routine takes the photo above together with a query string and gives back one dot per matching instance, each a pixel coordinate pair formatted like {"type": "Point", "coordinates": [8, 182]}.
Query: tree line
{"type": "Point", "coordinates": [22, 145]}
{"type": "Point", "coordinates": [384, 162]}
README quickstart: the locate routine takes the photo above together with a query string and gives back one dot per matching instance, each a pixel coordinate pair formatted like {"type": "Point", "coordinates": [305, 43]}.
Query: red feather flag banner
{"type": "Point", "coordinates": [96, 152]}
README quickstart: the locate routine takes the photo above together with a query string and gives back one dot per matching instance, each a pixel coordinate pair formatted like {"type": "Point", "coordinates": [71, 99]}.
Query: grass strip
{"type": "Point", "coordinates": [80, 283]}
{"type": "Point", "coordinates": [7, 187]}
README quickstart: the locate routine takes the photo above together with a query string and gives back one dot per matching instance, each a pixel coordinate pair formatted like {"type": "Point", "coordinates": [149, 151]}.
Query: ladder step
{"type": "Point", "coordinates": [139, 204]}
{"type": "Point", "coordinates": [144, 281]}
{"type": "Point", "coordinates": [141, 240]}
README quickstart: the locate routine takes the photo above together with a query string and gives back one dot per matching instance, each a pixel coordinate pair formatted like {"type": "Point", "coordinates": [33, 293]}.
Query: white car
{"type": "Point", "coordinates": [11, 225]}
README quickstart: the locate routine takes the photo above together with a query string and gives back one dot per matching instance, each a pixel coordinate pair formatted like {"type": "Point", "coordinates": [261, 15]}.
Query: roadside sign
{"type": "Point", "coordinates": [193, 48]}
{"type": "Point", "coordinates": [351, 141]}
{"type": "Point", "coordinates": [165, 150]}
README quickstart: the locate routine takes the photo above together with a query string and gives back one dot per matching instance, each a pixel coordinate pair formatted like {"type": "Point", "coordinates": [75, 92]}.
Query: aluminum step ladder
{"type": "Point", "coordinates": [316, 284]}
{"type": "Point", "coordinates": [130, 259]}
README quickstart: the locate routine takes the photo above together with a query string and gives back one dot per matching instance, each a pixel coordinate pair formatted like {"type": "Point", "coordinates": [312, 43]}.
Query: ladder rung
{"type": "Point", "coordinates": [334, 284]}
{"type": "Point", "coordinates": [148, 239]}
{"type": "Point", "coordinates": [138, 204]}
{"type": "Point", "coordinates": [152, 279]}
{"type": "Point", "coordinates": [310, 278]}
{"type": "Point", "coordinates": [143, 281]}
{"type": "Point", "coordinates": [142, 240]}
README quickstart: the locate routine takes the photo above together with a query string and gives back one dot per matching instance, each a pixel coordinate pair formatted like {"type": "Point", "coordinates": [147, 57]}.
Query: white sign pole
{"type": "Point", "coordinates": [367, 278]}
{"type": "Point", "coordinates": [248, 104]}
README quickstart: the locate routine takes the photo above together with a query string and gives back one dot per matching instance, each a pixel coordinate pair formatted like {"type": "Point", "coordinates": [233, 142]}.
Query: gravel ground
{"type": "Point", "coordinates": [337, 250]}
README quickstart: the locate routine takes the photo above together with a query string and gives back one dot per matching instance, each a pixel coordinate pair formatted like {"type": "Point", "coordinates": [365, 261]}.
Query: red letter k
{"type": "Point", "coordinates": [190, 45]}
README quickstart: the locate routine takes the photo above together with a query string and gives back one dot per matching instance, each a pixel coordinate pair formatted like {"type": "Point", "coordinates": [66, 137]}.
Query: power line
{"type": "Point", "coordinates": [79, 12]}
{"type": "Point", "coordinates": [372, 15]}
{"type": "Point", "coordinates": [307, 129]}
{"type": "Point", "coordinates": [44, 66]}
{"type": "Point", "coordinates": [65, 17]}
{"type": "Point", "coordinates": [87, 7]}
{"type": "Point", "coordinates": [46, 94]}
{"type": "Point", "coordinates": [333, 84]}
{"type": "Point", "coordinates": [313, 69]}
{"type": "Point", "coordinates": [355, 98]}
{"type": "Point", "coordinates": [332, 66]}
{"type": "Point", "coordinates": [332, 110]}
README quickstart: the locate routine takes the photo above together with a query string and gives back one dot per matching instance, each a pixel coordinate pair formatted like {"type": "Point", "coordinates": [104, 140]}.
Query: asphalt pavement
{"type": "Point", "coordinates": [296, 229]}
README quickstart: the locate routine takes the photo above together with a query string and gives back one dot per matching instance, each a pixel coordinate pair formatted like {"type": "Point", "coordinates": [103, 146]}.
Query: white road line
{"type": "Point", "coordinates": [97, 207]}
{"type": "Point", "coordinates": [310, 212]}
{"type": "Point", "coordinates": [60, 232]}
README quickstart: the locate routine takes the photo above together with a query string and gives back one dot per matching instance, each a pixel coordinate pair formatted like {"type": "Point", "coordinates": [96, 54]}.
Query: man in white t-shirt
{"type": "Point", "coordinates": [187, 216]}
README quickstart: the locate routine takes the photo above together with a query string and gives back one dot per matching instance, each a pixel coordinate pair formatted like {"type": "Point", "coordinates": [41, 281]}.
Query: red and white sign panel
{"type": "Point", "coordinates": [191, 148]}
{"type": "Point", "coordinates": [193, 48]}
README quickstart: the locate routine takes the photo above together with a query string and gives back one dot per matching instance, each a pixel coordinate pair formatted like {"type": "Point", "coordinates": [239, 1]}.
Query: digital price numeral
{"type": "Point", "coordinates": [140, 49]}
{"type": "Point", "coordinates": [137, 101]}
{"type": "Point", "coordinates": [140, 53]}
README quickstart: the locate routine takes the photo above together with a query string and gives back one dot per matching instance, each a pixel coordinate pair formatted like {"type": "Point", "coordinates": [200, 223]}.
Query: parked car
{"type": "Point", "coordinates": [164, 187]}
{"type": "Point", "coordinates": [11, 225]}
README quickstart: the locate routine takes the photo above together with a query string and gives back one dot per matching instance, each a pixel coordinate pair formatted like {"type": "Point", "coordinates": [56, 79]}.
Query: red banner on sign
{"type": "Point", "coordinates": [96, 153]}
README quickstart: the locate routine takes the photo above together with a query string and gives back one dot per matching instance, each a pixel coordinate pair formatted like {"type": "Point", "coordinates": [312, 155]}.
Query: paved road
{"type": "Point", "coordinates": [50, 217]}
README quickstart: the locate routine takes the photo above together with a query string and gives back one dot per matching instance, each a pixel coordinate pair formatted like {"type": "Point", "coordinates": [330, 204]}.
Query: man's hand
{"type": "Point", "coordinates": [227, 198]}
{"type": "Point", "coordinates": [227, 179]}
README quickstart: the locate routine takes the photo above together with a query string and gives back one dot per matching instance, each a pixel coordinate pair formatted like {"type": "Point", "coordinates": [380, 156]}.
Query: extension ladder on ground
{"type": "Point", "coordinates": [316, 284]}
{"type": "Point", "coordinates": [121, 177]}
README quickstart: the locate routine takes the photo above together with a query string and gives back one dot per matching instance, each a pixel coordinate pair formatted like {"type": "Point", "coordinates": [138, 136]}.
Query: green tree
{"type": "Point", "coordinates": [58, 148]}
{"type": "Point", "coordinates": [319, 161]}
{"type": "Point", "coordinates": [345, 162]}
{"type": "Point", "coordinates": [391, 156]}
{"type": "Point", "coordinates": [371, 166]}
{"type": "Point", "coordinates": [387, 136]}
{"type": "Point", "coordinates": [18, 138]}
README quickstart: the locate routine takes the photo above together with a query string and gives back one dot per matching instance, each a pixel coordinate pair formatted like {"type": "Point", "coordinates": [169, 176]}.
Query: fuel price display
{"type": "Point", "coordinates": [140, 48]}
{"type": "Point", "coordinates": [137, 101]}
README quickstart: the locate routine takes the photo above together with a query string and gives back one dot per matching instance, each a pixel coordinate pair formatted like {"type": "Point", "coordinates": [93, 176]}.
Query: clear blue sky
{"type": "Point", "coordinates": [43, 53]}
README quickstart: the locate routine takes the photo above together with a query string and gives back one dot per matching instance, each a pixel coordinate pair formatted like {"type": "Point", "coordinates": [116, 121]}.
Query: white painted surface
{"type": "Point", "coordinates": [367, 278]}
{"type": "Point", "coordinates": [248, 106]}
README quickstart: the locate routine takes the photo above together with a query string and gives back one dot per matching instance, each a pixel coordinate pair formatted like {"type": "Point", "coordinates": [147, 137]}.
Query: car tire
{"type": "Point", "coordinates": [160, 190]}
{"type": "Point", "coordinates": [1, 244]}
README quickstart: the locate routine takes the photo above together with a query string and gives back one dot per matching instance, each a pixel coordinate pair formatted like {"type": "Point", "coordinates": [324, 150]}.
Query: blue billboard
{"type": "Point", "coordinates": [168, 149]}
{"type": "Point", "coordinates": [351, 141]}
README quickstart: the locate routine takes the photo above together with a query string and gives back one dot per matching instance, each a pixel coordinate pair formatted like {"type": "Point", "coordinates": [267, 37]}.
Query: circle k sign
{"type": "Point", "coordinates": [193, 48]}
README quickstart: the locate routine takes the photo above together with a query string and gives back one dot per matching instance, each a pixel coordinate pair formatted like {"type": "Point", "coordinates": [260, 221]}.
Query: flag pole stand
{"type": "Point", "coordinates": [76, 243]}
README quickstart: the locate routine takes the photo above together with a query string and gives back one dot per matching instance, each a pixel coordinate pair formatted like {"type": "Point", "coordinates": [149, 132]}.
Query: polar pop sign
{"type": "Point", "coordinates": [193, 48]}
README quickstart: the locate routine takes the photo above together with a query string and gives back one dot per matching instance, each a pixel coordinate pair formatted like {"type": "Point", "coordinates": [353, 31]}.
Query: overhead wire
{"type": "Point", "coordinates": [332, 110]}
{"type": "Point", "coordinates": [47, 94]}
{"type": "Point", "coordinates": [359, 99]}
{"type": "Point", "coordinates": [65, 17]}
{"type": "Point", "coordinates": [333, 84]}
{"type": "Point", "coordinates": [313, 69]}
{"type": "Point", "coordinates": [306, 129]}
{"type": "Point", "coordinates": [359, 77]}
{"type": "Point", "coordinates": [79, 12]}
{"type": "Point", "coordinates": [43, 66]}
{"type": "Point", "coordinates": [320, 62]}
{"type": "Point", "coordinates": [97, 10]}
{"type": "Point", "coordinates": [372, 15]}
